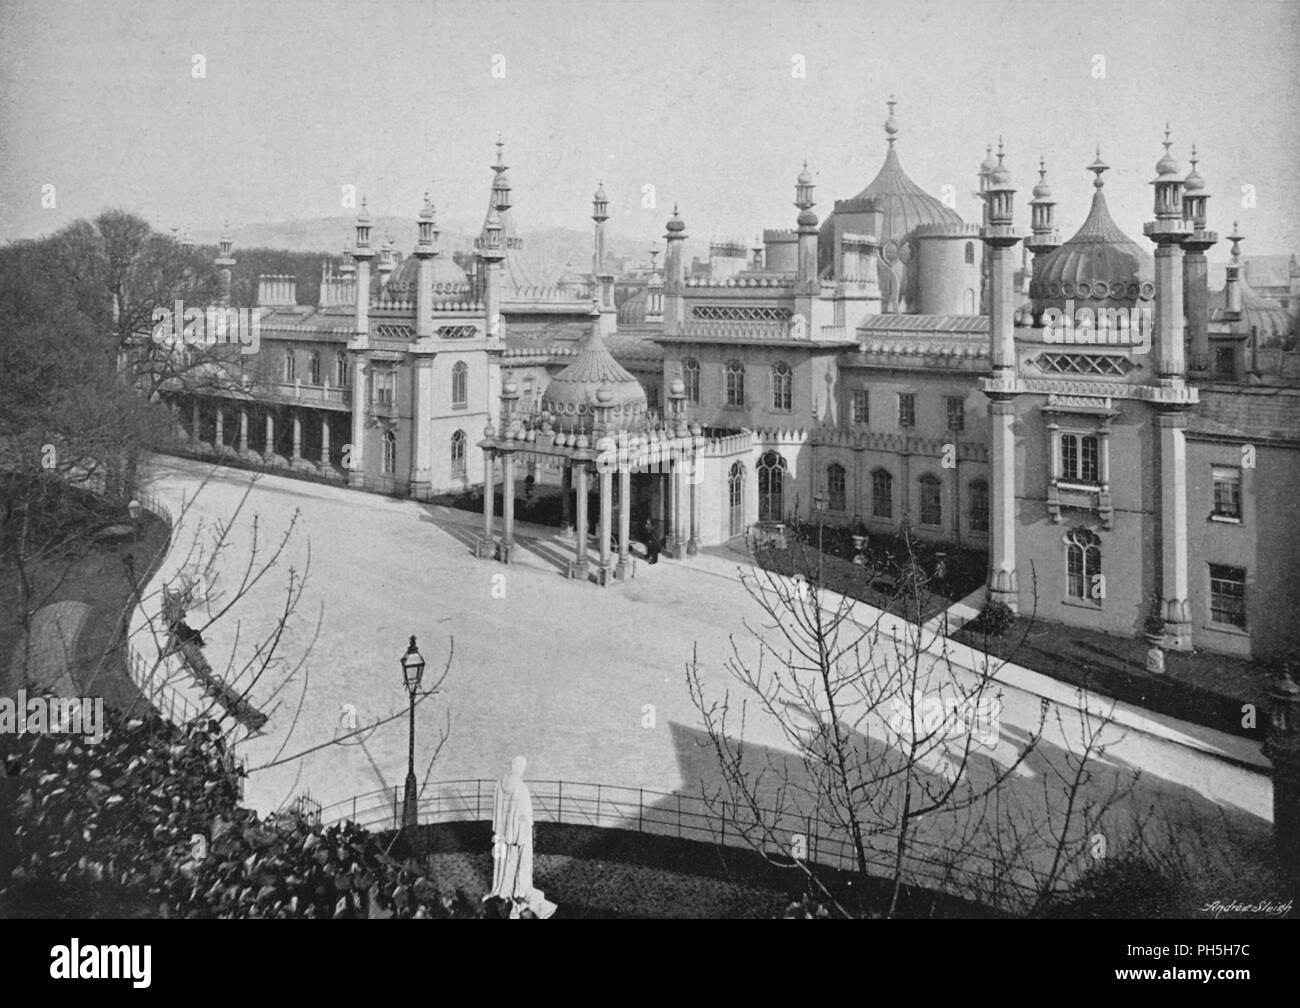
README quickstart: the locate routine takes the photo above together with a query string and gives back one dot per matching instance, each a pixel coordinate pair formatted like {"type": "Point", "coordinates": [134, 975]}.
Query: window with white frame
{"type": "Point", "coordinates": [383, 383]}
{"type": "Point", "coordinates": [691, 378]}
{"type": "Point", "coordinates": [290, 366]}
{"type": "Point", "coordinates": [1083, 566]}
{"type": "Point", "coordinates": [734, 383]}
{"type": "Point", "coordinates": [1080, 459]}
{"type": "Point", "coordinates": [1228, 595]}
{"type": "Point", "coordinates": [313, 368]}
{"type": "Point", "coordinates": [860, 406]}
{"type": "Point", "coordinates": [341, 370]}
{"type": "Point", "coordinates": [1227, 492]}
{"type": "Point", "coordinates": [782, 384]}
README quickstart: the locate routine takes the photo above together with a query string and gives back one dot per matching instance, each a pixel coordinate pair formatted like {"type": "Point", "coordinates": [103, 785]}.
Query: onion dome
{"type": "Point", "coordinates": [363, 215]}
{"type": "Point", "coordinates": [632, 311]}
{"type": "Point", "coordinates": [988, 164]}
{"type": "Point", "coordinates": [1042, 190]}
{"type": "Point", "coordinates": [805, 177]}
{"type": "Point", "coordinates": [426, 211]}
{"type": "Point", "coordinates": [807, 219]}
{"type": "Point", "coordinates": [445, 271]}
{"type": "Point", "coordinates": [675, 223]}
{"type": "Point", "coordinates": [1100, 266]}
{"type": "Point", "coordinates": [1166, 166]}
{"type": "Point", "coordinates": [600, 196]}
{"type": "Point", "coordinates": [677, 387]}
{"type": "Point", "coordinates": [1001, 175]}
{"type": "Point", "coordinates": [595, 380]}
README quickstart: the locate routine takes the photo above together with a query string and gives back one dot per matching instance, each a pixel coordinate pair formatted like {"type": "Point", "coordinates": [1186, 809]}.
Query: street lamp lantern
{"type": "Point", "coordinates": [412, 667]}
{"type": "Point", "coordinates": [133, 509]}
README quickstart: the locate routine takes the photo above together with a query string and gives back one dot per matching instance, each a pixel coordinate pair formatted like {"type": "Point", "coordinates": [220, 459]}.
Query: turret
{"type": "Point", "coordinates": [224, 263]}
{"type": "Point", "coordinates": [806, 282]}
{"type": "Point", "coordinates": [1196, 289]}
{"type": "Point", "coordinates": [674, 282]}
{"type": "Point", "coordinates": [1169, 230]}
{"type": "Point", "coordinates": [362, 254]}
{"type": "Point", "coordinates": [425, 250]}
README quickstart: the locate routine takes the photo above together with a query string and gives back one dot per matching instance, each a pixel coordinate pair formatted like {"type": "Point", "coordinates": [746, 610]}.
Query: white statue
{"type": "Point", "coordinates": [512, 844]}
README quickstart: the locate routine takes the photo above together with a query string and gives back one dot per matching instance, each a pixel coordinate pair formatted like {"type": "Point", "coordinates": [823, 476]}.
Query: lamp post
{"type": "Point", "coordinates": [820, 500]}
{"type": "Point", "coordinates": [412, 673]}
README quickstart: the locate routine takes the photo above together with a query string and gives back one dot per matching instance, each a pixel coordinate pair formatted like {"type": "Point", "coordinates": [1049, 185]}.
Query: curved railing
{"type": "Point", "coordinates": [967, 874]}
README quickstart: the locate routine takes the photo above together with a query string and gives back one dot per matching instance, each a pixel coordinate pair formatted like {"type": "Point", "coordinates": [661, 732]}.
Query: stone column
{"type": "Point", "coordinates": [243, 429]}
{"type": "Point", "coordinates": [1170, 354]}
{"type": "Point", "coordinates": [357, 470]}
{"type": "Point", "coordinates": [693, 544]}
{"type": "Point", "coordinates": [219, 437]}
{"type": "Point", "coordinates": [580, 538]}
{"type": "Point", "coordinates": [325, 438]}
{"type": "Point", "coordinates": [1196, 301]}
{"type": "Point", "coordinates": [624, 521]}
{"type": "Point", "coordinates": [507, 504]}
{"type": "Point", "coordinates": [297, 435]}
{"type": "Point", "coordinates": [489, 494]}
{"type": "Point", "coordinates": [422, 400]}
{"type": "Point", "coordinates": [606, 521]}
{"type": "Point", "coordinates": [1002, 582]}
{"type": "Point", "coordinates": [195, 421]}
{"type": "Point", "coordinates": [1173, 530]}
{"type": "Point", "coordinates": [566, 505]}
{"type": "Point", "coordinates": [270, 435]}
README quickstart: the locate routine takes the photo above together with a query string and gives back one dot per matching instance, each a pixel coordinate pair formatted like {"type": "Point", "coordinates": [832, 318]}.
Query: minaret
{"type": "Point", "coordinates": [1196, 284]}
{"type": "Point", "coordinates": [360, 347]}
{"type": "Point", "coordinates": [385, 266]}
{"type": "Point", "coordinates": [224, 264]}
{"type": "Point", "coordinates": [425, 250]}
{"type": "Point", "coordinates": [986, 170]}
{"type": "Point", "coordinates": [1042, 209]}
{"type": "Point", "coordinates": [654, 309]}
{"type": "Point", "coordinates": [1232, 285]}
{"type": "Point", "coordinates": [491, 255]}
{"type": "Point", "coordinates": [806, 286]}
{"type": "Point", "coordinates": [1169, 230]}
{"type": "Point", "coordinates": [674, 283]}
{"type": "Point", "coordinates": [757, 248]}
{"type": "Point", "coordinates": [602, 281]}
{"type": "Point", "coordinates": [1000, 237]}
{"type": "Point", "coordinates": [599, 214]}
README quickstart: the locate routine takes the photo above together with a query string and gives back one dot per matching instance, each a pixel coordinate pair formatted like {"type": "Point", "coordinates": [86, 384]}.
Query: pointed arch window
{"type": "Point", "coordinates": [782, 387]}
{"type": "Point", "coordinates": [290, 366]}
{"type": "Point", "coordinates": [771, 487]}
{"type": "Point", "coordinates": [970, 253]}
{"type": "Point", "coordinates": [341, 370]}
{"type": "Point", "coordinates": [736, 499]}
{"type": "Point", "coordinates": [931, 499]}
{"type": "Point", "coordinates": [459, 385]}
{"type": "Point", "coordinates": [458, 441]}
{"type": "Point", "coordinates": [313, 368]}
{"type": "Point", "coordinates": [1083, 565]}
{"type": "Point", "coordinates": [389, 461]}
{"type": "Point", "coordinates": [691, 378]}
{"type": "Point", "coordinates": [979, 506]}
{"type": "Point", "coordinates": [733, 376]}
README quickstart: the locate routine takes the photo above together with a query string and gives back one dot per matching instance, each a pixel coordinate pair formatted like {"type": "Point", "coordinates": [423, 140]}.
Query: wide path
{"type": "Point", "coordinates": [588, 683]}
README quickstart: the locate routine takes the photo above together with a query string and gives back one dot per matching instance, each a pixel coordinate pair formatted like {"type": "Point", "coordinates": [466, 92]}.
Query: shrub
{"type": "Point", "coordinates": [997, 619]}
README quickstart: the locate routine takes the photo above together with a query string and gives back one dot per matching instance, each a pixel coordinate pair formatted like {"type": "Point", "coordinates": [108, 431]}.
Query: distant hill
{"type": "Point", "coordinates": [548, 251]}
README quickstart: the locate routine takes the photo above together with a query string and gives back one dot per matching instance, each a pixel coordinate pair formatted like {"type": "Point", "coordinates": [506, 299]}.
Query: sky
{"type": "Point", "coordinates": [702, 100]}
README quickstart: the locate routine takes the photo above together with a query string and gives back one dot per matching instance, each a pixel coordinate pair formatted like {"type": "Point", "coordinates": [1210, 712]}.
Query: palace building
{"type": "Point", "coordinates": [1120, 439]}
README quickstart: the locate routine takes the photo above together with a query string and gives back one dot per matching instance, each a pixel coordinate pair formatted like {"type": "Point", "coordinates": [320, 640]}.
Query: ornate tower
{"type": "Point", "coordinates": [360, 346]}
{"type": "Point", "coordinates": [425, 251]}
{"type": "Point", "coordinates": [1169, 230]}
{"type": "Point", "coordinates": [599, 214]}
{"type": "Point", "coordinates": [491, 253]}
{"type": "Point", "coordinates": [807, 287]}
{"type": "Point", "coordinates": [1002, 384]}
{"type": "Point", "coordinates": [1044, 237]}
{"type": "Point", "coordinates": [1196, 288]}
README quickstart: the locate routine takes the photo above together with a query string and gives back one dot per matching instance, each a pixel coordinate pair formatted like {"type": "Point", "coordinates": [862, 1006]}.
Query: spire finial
{"type": "Point", "coordinates": [891, 124]}
{"type": "Point", "coordinates": [1168, 143]}
{"type": "Point", "coordinates": [1042, 168]}
{"type": "Point", "coordinates": [1194, 157]}
{"type": "Point", "coordinates": [1000, 154]}
{"type": "Point", "coordinates": [1097, 167]}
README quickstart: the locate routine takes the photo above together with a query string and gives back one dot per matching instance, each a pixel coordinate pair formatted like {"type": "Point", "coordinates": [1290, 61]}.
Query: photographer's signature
{"type": "Point", "coordinates": [1264, 907]}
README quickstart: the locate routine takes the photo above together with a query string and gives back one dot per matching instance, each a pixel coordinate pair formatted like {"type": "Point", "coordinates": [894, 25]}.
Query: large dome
{"type": "Point", "coordinates": [1271, 325]}
{"type": "Point", "coordinates": [402, 284]}
{"type": "Point", "coordinates": [1099, 268]}
{"type": "Point", "coordinates": [594, 381]}
{"type": "Point", "coordinates": [904, 204]}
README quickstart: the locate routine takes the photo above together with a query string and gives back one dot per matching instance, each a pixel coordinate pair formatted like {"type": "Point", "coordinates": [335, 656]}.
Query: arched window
{"type": "Point", "coordinates": [882, 494]}
{"type": "Point", "coordinates": [341, 377]}
{"type": "Point", "coordinates": [691, 378]}
{"type": "Point", "coordinates": [390, 453]}
{"type": "Point", "coordinates": [782, 397]}
{"type": "Point", "coordinates": [313, 368]}
{"type": "Point", "coordinates": [734, 383]}
{"type": "Point", "coordinates": [459, 384]}
{"type": "Point", "coordinates": [969, 301]}
{"type": "Point", "coordinates": [835, 487]}
{"type": "Point", "coordinates": [931, 500]}
{"type": "Point", "coordinates": [736, 499]}
{"type": "Point", "coordinates": [970, 253]}
{"type": "Point", "coordinates": [771, 487]}
{"type": "Point", "coordinates": [290, 366]}
{"type": "Point", "coordinates": [1083, 566]}
{"type": "Point", "coordinates": [458, 453]}
{"type": "Point", "coordinates": [979, 505]}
